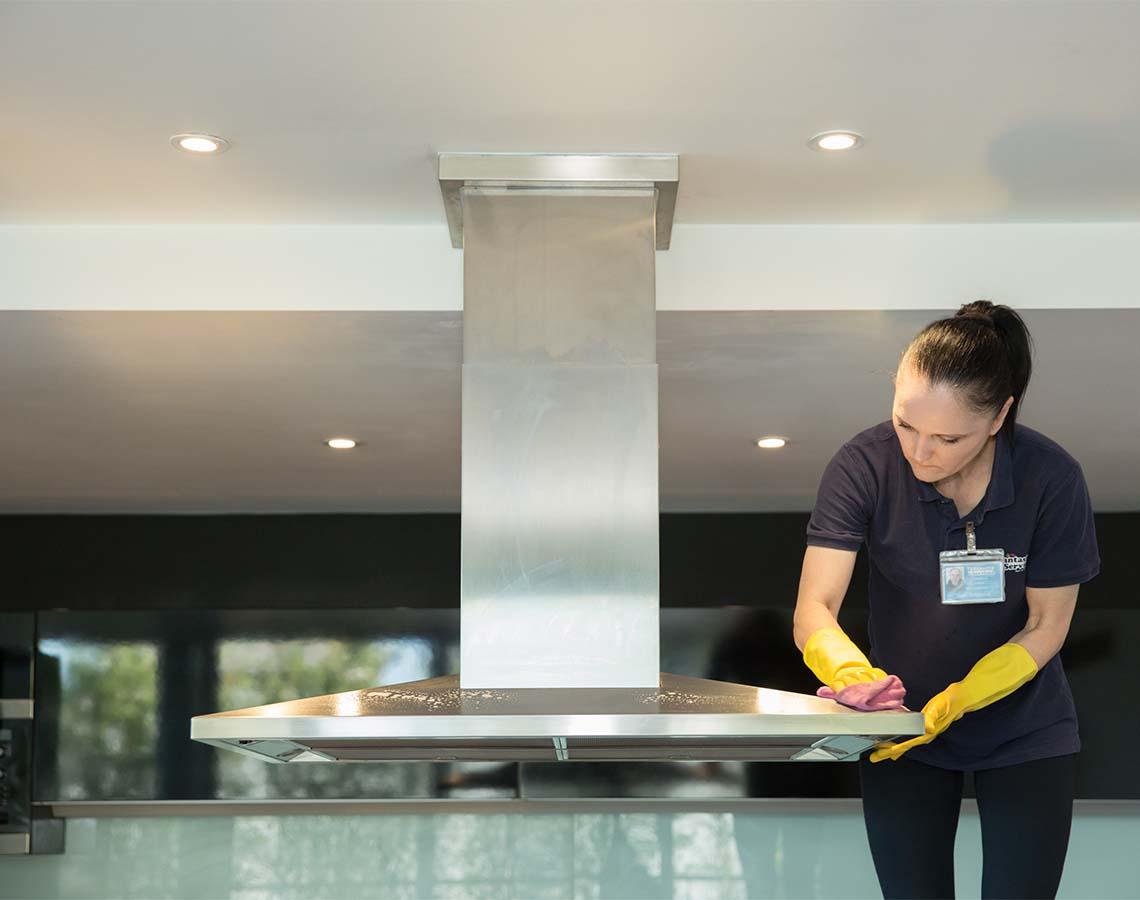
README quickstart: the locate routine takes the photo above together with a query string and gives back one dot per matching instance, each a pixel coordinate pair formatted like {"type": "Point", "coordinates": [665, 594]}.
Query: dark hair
{"type": "Point", "coordinates": [984, 350]}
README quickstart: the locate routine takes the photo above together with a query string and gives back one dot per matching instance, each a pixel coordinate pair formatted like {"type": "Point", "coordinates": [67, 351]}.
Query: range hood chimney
{"type": "Point", "coordinates": [559, 592]}
{"type": "Point", "coordinates": [560, 522]}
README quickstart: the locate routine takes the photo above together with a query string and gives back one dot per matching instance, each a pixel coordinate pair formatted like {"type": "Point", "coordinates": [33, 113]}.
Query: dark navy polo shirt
{"type": "Point", "coordinates": [1036, 508]}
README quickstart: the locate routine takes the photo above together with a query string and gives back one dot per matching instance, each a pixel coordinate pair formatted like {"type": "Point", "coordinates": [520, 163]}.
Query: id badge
{"type": "Point", "coordinates": [972, 575]}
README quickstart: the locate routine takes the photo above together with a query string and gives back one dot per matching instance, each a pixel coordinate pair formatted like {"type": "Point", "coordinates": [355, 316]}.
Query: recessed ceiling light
{"type": "Point", "coordinates": [341, 443]}
{"type": "Point", "coordinates": [200, 144]}
{"type": "Point", "coordinates": [771, 443]}
{"type": "Point", "coordinates": [836, 140]}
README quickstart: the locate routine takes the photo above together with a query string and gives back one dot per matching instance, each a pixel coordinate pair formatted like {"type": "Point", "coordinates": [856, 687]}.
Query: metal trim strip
{"type": "Point", "coordinates": [777, 805]}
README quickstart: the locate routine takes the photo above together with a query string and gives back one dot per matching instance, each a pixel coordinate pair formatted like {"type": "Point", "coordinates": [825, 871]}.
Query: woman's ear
{"type": "Point", "coordinates": [1000, 420]}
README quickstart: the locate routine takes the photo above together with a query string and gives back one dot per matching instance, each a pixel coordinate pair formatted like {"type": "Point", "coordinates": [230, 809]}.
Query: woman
{"type": "Point", "coordinates": [952, 473]}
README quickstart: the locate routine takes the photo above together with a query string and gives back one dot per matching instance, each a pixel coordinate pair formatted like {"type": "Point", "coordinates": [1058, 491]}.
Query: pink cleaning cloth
{"type": "Point", "coordinates": [869, 696]}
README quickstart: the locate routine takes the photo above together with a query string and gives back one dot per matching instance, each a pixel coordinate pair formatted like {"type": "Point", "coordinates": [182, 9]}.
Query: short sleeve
{"type": "Point", "coordinates": [1064, 550]}
{"type": "Point", "coordinates": [842, 512]}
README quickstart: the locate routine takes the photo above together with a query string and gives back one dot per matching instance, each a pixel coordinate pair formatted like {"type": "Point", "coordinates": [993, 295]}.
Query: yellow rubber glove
{"type": "Point", "coordinates": [995, 675]}
{"type": "Point", "coordinates": [836, 661]}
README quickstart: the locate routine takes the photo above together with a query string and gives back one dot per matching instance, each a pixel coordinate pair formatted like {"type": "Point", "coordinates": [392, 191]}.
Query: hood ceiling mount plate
{"type": "Point", "coordinates": [532, 171]}
{"type": "Point", "coordinates": [559, 588]}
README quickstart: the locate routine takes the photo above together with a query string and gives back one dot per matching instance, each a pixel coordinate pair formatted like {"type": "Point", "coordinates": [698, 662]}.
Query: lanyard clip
{"type": "Point", "coordinates": [971, 540]}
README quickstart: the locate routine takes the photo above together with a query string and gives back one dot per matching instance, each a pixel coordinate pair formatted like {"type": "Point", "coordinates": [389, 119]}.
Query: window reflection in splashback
{"type": "Point", "coordinates": [128, 682]}
{"type": "Point", "coordinates": [115, 692]}
{"type": "Point", "coordinates": [107, 711]}
{"type": "Point", "coordinates": [256, 671]}
{"type": "Point", "coordinates": [120, 689]}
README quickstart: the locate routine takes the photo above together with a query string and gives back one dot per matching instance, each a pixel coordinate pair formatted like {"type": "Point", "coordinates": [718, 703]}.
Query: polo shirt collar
{"type": "Point", "coordinates": [999, 493]}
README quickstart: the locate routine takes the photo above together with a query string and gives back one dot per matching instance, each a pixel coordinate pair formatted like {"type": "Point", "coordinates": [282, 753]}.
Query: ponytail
{"type": "Point", "coordinates": [984, 350]}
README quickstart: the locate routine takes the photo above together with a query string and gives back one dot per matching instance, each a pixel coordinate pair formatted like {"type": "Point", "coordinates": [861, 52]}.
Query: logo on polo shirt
{"type": "Point", "coordinates": [1015, 563]}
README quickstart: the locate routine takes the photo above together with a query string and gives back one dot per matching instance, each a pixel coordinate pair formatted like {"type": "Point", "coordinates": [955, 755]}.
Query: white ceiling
{"type": "Point", "coordinates": [226, 412]}
{"type": "Point", "coordinates": [974, 111]}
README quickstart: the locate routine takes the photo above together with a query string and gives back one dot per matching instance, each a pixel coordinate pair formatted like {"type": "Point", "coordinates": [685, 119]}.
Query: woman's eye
{"type": "Point", "coordinates": [951, 440]}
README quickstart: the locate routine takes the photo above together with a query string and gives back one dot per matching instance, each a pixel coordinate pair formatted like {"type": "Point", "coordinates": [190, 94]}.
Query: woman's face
{"type": "Point", "coordinates": [938, 432]}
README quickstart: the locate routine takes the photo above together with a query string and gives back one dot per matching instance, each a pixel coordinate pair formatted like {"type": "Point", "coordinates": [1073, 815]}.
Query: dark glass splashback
{"type": "Point", "coordinates": [143, 622]}
{"type": "Point", "coordinates": [117, 690]}
{"type": "Point", "coordinates": [123, 686]}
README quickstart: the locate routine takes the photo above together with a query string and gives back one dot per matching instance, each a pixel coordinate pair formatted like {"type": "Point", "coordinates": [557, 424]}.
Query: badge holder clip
{"type": "Point", "coordinates": [971, 575]}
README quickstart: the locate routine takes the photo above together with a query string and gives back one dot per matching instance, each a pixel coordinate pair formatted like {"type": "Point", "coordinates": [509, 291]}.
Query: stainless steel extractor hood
{"type": "Point", "coordinates": [559, 590]}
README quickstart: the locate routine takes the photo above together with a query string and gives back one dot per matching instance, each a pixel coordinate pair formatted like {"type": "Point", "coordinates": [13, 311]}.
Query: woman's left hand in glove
{"type": "Point", "coordinates": [938, 716]}
{"type": "Point", "coordinates": [994, 676]}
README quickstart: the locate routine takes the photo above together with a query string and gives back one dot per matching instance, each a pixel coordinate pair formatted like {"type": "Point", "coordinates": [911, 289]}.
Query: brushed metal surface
{"type": "Point", "coordinates": [736, 805]}
{"type": "Point", "coordinates": [436, 806]}
{"type": "Point", "coordinates": [683, 718]}
{"type": "Point", "coordinates": [559, 567]}
{"type": "Point", "coordinates": [560, 527]}
{"type": "Point", "coordinates": [559, 277]}
{"type": "Point", "coordinates": [553, 168]}
{"type": "Point", "coordinates": [659, 171]}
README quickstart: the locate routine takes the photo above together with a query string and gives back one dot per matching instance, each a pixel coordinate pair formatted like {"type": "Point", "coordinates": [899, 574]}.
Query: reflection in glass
{"type": "Point", "coordinates": [255, 672]}
{"type": "Point", "coordinates": [115, 692]}
{"type": "Point", "coordinates": [107, 718]}
{"type": "Point", "coordinates": [783, 852]}
{"type": "Point", "coordinates": [116, 708]}
{"type": "Point", "coordinates": [665, 854]}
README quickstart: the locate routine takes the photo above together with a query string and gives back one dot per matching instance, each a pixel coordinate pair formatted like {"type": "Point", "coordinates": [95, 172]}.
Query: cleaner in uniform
{"type": "Point", "coordinates": [979, 532]}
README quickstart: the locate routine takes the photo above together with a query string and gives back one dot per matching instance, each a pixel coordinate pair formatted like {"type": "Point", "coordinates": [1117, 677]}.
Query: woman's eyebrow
{"type": "Point", "coordinates": [908, 425]}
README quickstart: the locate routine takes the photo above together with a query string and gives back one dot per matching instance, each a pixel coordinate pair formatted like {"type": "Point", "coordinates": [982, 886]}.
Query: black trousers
{"type": "Point", "coordinates": [911, 811]}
